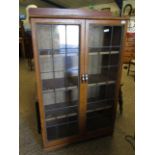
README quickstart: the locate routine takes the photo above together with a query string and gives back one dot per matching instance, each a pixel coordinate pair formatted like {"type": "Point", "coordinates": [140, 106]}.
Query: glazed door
{"type": "Point", "coordinates": [103, 63]}
{"type": "Point", "coordinates": [58, 56]}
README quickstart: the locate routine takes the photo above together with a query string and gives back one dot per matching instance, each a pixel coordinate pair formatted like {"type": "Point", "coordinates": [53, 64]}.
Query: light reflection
{"type": "Point", "coordinates": [66, 37]}
{"type": "Point", "coordinates": [59, 36]}
{"type": "Point", "coordinates": [106, 30]}
{"type": "Point", "coordinates": [72, 36]}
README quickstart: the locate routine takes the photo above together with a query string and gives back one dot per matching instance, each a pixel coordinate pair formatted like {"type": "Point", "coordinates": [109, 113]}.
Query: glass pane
{"type": "Point", "coordinates": [72, 37]}
{"type": "Point", "coordinates": [59, 34]}
{"type": "Point", "coordinates": [113, 73]}
{"type": "Point", "coordinates": [59, 69]}
{"type": "Point", "coordinates": [116, 39]}
{"type": "Point", "coordinates": [44, 36]}
{"type": "Point", "coordinates": [45, 63]}
{"type": "Point", "coordinates": [99, 119]}
{"type": "Point", "coordinates": [114, 59]}
{"type": "Point", "coordinates": [107, 32]}
{"type": "Point", "coordinates": [103, 60]}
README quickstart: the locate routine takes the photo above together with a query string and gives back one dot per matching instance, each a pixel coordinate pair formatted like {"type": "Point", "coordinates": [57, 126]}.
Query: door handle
{"type": "Point", "coordinates": [83, 78]}
{"type": "Point", "coordinates": [86, 77]}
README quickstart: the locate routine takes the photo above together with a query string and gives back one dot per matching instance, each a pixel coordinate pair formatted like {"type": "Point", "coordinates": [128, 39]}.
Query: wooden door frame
{"type": "Point", "coordinates": [81, 115]}
{"type": "Point", "coordinates": [108, 22]}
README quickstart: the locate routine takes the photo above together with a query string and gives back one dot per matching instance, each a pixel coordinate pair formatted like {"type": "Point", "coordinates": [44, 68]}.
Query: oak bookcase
{"type": "Point", "coordinates": [78, 58]}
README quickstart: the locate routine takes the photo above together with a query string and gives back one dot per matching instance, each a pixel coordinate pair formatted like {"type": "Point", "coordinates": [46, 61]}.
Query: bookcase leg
{"type": "Point", "coordinates": [120, 101]}
{"type": "Point", "coordinates": [38, 117]}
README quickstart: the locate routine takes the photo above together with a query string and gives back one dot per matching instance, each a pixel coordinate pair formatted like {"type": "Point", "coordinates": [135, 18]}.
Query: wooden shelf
{"type": "Point", "coordinates": [54, 113]}
{"type": "Point", "coordinates": [103, 53]}
{"type": "Point", "coordinates": [59, 83]}
{"type": "Point", "coordinates": [102, 79]}
{"type": "Point", "coordinates": [99, 79]}
{"type": "Point", "coordinates": [58, 51]}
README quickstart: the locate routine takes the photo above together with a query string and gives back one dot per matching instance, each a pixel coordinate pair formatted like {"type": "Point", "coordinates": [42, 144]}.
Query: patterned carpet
{"type": "Point", "coordinates": [30, 140]}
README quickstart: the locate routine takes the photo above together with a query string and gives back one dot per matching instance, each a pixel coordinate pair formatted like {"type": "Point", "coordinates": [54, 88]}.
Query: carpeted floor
{"type": "Point", "coordinates": [30, 140]}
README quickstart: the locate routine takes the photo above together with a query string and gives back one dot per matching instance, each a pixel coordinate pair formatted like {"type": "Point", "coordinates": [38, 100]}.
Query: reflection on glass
{"type": "Point", "coordinates": [44, 36]}
{"type": "Point", "coordinates": [93, 67]}
{"type": "Point", "coordinates": [72, 36]}
{"type": "Point", "coordinates": [72, 64]}
{"type": "Point", "coordinates": [96, 92]}
{"type": "Point", "coordinates": [96, 36]}
{"type": "Point", "coordinates": [107, 35]}
{"type": "Point", "coordinates": [59, 62]}
{"type": "Point", "coordinates": [59, 34]}
{"type": "Point", "coordinates": [104, 48]}
{"type": "Point", "coordinates": [45, 63]}
{"type": "Point", "coordinates": [48, 97]}
{"type": "Point", "coordinates": [59, 68]}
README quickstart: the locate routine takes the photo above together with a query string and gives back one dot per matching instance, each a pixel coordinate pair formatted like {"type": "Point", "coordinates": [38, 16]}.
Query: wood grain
{"type": "Point", "coordinates": [39, 84]}
{"type": "Point", "coordinates": [71, 13]}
